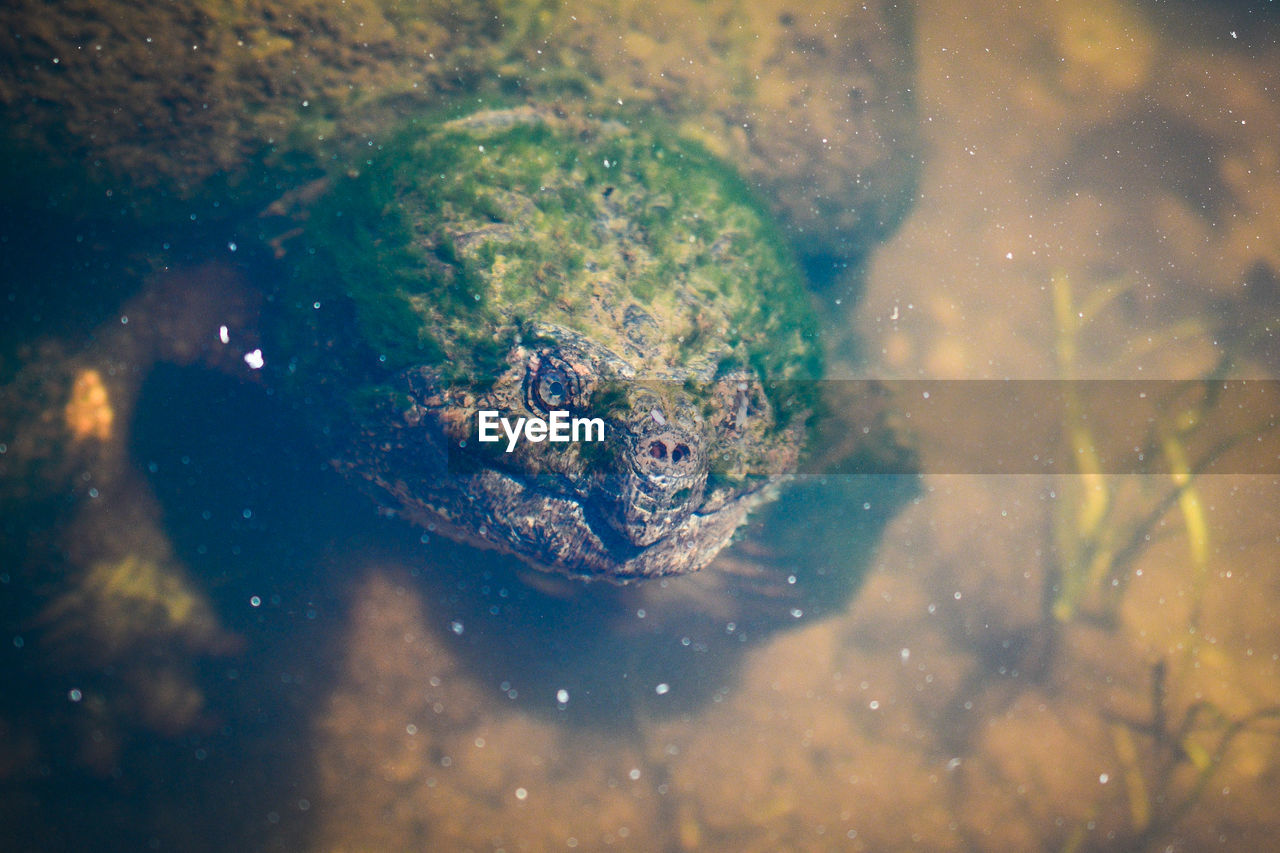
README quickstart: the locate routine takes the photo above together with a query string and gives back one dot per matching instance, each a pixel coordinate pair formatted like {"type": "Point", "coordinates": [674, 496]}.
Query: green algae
{"type": "Point", "coordinates": [448, 239]}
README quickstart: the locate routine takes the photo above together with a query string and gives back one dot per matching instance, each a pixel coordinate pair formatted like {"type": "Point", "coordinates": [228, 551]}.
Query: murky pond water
{"type": "Point", "coordinates": [211, 641]}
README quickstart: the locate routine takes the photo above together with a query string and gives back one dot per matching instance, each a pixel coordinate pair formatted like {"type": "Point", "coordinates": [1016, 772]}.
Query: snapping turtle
{"type": "Point", "coordinates": [533, 264]}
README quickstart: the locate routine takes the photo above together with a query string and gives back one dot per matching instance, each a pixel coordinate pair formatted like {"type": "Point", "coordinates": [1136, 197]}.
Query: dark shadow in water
{"type": "Point", "coordinates": [234, 778]}
{"type": "Point", "coordinates": [663, 647]}
{"type": "Point", "coordinates": [1145, 153]}
{"type": "Point", "coordinates": [521, 637]}
{"type": "Point", "coordinates": [272, 535]}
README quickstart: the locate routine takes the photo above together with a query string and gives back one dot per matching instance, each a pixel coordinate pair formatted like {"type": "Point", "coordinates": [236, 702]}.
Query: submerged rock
{"type": "Point", "coordinates": [526, 262]}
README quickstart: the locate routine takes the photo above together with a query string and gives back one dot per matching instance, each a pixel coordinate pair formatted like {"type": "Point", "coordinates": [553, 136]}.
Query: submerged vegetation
{"type": "Point", "coordinates": [1103, 521]}
{"type": "Point", "coordinates": [1095, 536]}
{"type": "Point", "coordinates": [1102, 524]}
{"type": "Point", "coordinates": [1167, 765]}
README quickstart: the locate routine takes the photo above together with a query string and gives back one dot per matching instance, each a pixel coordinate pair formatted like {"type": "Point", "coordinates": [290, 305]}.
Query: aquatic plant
{"type": "Point", "coordinates": [1101, 524]}
{"type": "Point", "coordinates": [1167, 766]}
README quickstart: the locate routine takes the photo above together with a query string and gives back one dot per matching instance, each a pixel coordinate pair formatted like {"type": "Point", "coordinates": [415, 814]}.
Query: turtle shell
{"type": "Point", "coordinates": [534, 264]}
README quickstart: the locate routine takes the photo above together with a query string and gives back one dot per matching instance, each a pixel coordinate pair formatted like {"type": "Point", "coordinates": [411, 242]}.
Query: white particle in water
{"type": "Point", "coordinates": [562, 696]}
{"type": "Point", "coordinates": [456, 626]}
{"type": "Point", "coordinates": [662, 689]}
{"type": "Point", "coordinates": [521, 793]}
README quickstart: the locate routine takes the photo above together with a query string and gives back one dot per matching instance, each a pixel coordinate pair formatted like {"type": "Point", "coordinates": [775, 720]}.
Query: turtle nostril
{"type": "Point", "coordinates": [658, 450]}
{"type": "Point", "coordinates": [679, 453]}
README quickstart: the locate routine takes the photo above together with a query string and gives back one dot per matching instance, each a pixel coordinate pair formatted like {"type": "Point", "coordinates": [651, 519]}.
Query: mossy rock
{"type": "Point", "coordinates": [531, 260]}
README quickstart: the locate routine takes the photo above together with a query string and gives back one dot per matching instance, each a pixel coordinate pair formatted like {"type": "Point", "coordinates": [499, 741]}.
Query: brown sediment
{"type": "Point", "coordinates": [69, 413]}
{"type": "Point", "coordinates": [113, 595]}
{"type": "Point", "coordinates": [174, 93]}
{"type": "Point", "coordinates": [815, 106]}
{"type": "Point", "coordinates": [1057, 737]}
{"type": "Point", "coordinates": [411, 749]}
{"type": "Point", "coordinates": [88, 413]}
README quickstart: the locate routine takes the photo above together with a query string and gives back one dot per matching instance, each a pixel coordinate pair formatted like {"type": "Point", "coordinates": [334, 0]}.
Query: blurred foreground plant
{"type": "Point", "coordinates": [1098, 529]}
{"type": "Point", "coordinates": [1101, 524]}
{"type": "Point", "coordinates": [1166, 765]}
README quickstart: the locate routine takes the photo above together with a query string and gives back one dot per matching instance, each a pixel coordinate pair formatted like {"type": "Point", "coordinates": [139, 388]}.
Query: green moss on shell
{"type": "Point", "coordinates": [449, 236]}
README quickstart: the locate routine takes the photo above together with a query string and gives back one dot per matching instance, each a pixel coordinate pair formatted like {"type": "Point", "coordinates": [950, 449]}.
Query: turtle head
{"type": "Point", "coordinates": [572, 461]}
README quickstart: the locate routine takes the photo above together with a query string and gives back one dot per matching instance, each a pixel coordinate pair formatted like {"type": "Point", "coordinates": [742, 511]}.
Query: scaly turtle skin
{"type": "Point", "coordinates": [527, 261]}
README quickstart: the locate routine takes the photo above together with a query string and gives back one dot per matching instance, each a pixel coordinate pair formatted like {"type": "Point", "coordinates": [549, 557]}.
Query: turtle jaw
{"type": "Point", "coordinates": [556, 533]}
{"type": "Point", "coordinates": [641, 510]}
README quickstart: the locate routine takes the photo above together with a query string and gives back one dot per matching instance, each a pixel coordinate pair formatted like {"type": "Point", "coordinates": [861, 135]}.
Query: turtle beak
{"type": "Point", "coordinates": [662, 479]}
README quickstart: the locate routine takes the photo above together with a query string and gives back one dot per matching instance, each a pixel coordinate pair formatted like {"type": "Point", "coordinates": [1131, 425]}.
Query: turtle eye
{"type": "Point", "coordinates": [552, 389]}
{"type": "Point", "coordinates": [554, 385]}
